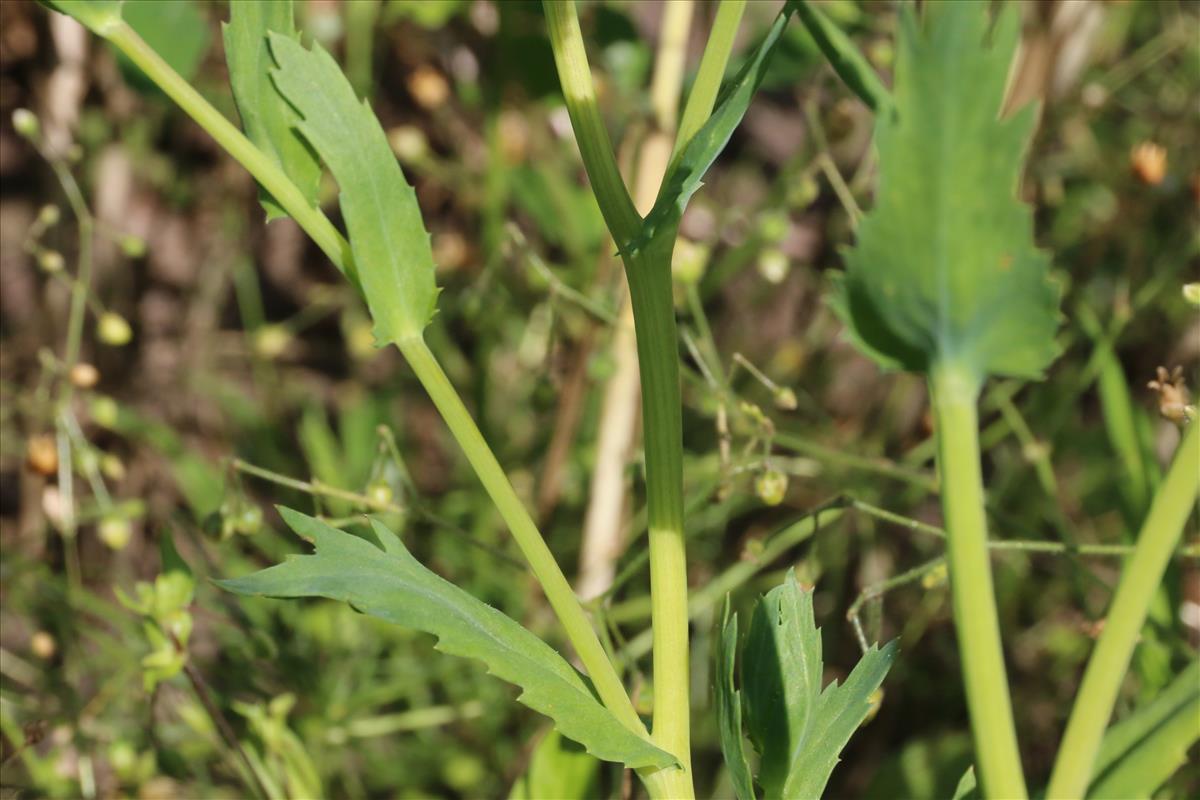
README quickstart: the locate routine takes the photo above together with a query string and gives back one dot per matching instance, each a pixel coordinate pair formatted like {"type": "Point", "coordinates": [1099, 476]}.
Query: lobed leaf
{"type": "Point", "coordinates": [798, 728]}
{"type": "Point", "coordinates": [729, 708]}
{"type": "Point", "coordinates": [390, 584]}
{"type": "Point", "coordinates": [685, 175]}
{"type": "Point", "coordinates": [391, 247]}
{"type": "Point", "coordinates": [944, 268]}
{"type": "Point", "coordinates": [267, 118]}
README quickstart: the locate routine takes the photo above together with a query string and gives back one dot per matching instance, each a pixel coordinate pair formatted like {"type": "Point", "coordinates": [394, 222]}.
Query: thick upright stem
{"type": "Point", "coordinates": [649, 275]}
{"type": "Point", "coordinates": [1140, 580]}
{"type": "Point", "coordinates": [955, 391]}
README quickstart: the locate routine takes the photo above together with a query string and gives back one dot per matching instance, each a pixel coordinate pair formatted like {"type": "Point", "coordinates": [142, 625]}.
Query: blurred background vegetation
{"type": "Point", "coordinates": [171, 367]}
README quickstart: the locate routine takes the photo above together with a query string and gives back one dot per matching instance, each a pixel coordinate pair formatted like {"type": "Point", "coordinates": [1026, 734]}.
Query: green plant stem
{"type": "Point", "coordinates": [265, 171]}
{"type": "Point", "coordinates": [1106, 669]}
{"type": "Point", "coordinates": [650, 292]}
{"type": "Point", "coordinates": [541, 561]}
{"type": "Point", "coordinates": [575, 76]}
{"type": "Point", "coordinates": [955, 391]}
{"type": "Point", "coordinates": [648, 272]}
{"type": "Point", "coordinates": [703, 94]}
{"type": "Point", "coordinates": [333, 244]}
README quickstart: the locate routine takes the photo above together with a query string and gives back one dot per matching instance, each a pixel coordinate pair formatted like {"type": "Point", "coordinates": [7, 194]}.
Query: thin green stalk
{"type": "Point", "coordinates": [264, 170]}
{"type": "Point", "coordinates": [575, 76]}
{"type": "Point", "coordinates": [955, 391]}
{"type": "Point", "coordinates": [703, 94]}
{"type": "Point", "coordinates": [1140, 579]}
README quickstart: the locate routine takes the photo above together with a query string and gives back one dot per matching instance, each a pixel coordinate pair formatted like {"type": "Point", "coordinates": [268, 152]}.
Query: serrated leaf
{"type": "Point", "coordinates": [729, 708]}
{"type": "Point", "coordinates": [387, 235]}
{"type": "Point", "coordinates": [98, 16]}
{"type": "Point", "coordinates": [686, 173]}
{"type": "Point", "coordinates": [798, 729]}
{"type": "Point", "coordinates": [392, 585]}
{"type": "Point", "coordinates": [944, 268]}
{"type": "Point", "coordinates": [267, 118]}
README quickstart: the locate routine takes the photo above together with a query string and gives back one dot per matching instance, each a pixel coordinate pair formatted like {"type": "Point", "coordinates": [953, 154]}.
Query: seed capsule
{"type": "Point", "coordinates": [115, 532]}
{"type": "Point", "coordinates": [84, 376]}
{"type": "Point", "coordinates": [771, 487]}
{"type": "Point", "coordinates": [25, 122]}
{"type": "Point", "coordinates": [112, 329]}
{"type": "Point", "coordinates": [41, 454]}
{"type": "Point", "coordinates": [1149, 163]}
{"type": "Point", "coordinates": [51, 261]}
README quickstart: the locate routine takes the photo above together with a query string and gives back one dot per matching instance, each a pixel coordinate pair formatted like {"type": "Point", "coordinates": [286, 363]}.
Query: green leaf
{"type": "Point", "coordinates": [178, 31]}
{"type": "Point", "coordinates": [560, 769]}
{"type": "Point", "coordinates": [684, 176]}
{"type": "Point", "coordinates": [798, 729]}
{"type": "Point", "coordinates": [1141, 751]}
{"type": "Point", "coordinates": [390, 584]}
{"type": "Point", "coordinates": [850, 65]}
{"type": "Point", "coordinates": [267, 118]}
{"type": "Point", "coordinates": [98, 16]}
{"type": "Point", "coordinates": [391, 246]}
{"type": "Point", "coordinates": [729, 708]}
{"type": "Point", "coordinates": [945, 269]}
{"type": "Point", "coordinates": [967, 788]}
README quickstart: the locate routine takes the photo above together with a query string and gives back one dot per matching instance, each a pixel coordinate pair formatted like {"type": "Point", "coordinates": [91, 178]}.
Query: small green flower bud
{"type": "Point", "coordinates": [249, 520]}
{"type": "Point", "coordinates": [1191, 293]}
{"type": "Point", "coordinates": [380, 493]}
{"type": "Point", "coordinates": [104, 411]}
{"type": "Point", "coordinates": [771, 487]}
{"type": "Point", "coordinates": [773, 225]}
{"type": "Point", "coordinates": [785, 399]}
{"type": "Point", "coordinates": [133, 246]}
{"type": "Point", "coordinates": [25, 122]}
{"type": "Point", "coordinates": [50, 261]}
{"type": "Point", "coordinates": [271, 341]}
{"type": "Point", "coordinates": [112, 329]}
{"type": "Point", "coordinates": [115, 532]}
{"type": "Point", "coordinates": [49, 215]}
{"type": "Point", "coordinates": [773, 265]}
{"type": "Point", "coordinates": [803, 192]}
